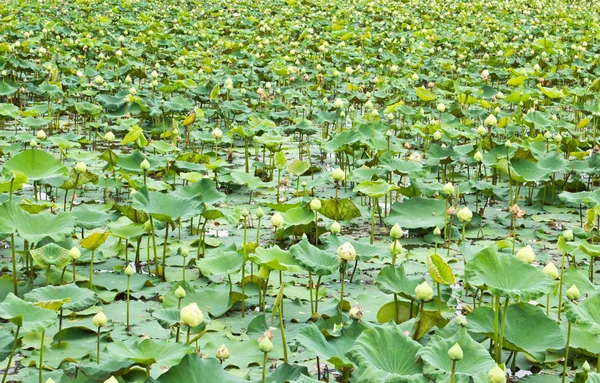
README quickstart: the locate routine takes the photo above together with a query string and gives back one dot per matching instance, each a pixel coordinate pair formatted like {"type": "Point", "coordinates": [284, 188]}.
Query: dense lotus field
{"type": "Point", "coordinates": [299, 191]}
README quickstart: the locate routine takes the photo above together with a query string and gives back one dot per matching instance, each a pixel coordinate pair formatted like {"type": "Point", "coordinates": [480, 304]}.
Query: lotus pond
{"type": "Point", "coordinates": [299, 191]}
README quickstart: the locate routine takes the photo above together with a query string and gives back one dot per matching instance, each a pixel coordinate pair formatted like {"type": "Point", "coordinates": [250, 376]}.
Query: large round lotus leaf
{"type": "Point", "coordinates": [194, 369]}
{"type": "Point", "coordinates": [25, 314]}
{"type": "Point", "coordinates": [339, 209]}
{"type": "Point", "coordinates": [34, 227]}
{"type": "Point", "coordinates": [132, 162]}
{"type": "Point", "coordinates": [165, 207]}
{"type": "Point", "coordinates": [35, 164]}
{"type": "Point", "coordinates": [313, 259]}
{"type": "Point", "coordinates": [78, 299]}
{"type": "Point", "coordinates": [205, 188]}
{"type": "Point", "coordinates": [417, 213]}
{"type": "Point", "coordinates": [275, 258]}
{"type": "Point", "coordinates": [507, 276]}
{"type": "Point", "coordinates": [528, 171]}
{"type": "Point", "coordinates": [385, 355]}
{"type": "Point", "coordinates": [473, 367]}
{"type": "Point", "coordinates": [586, 313]}
{"type": "Point", "coordinates": [220, 263]}
{"type": "Point", "coordinates": [9, 110]}
{"type": "Point", "coordinates": [393, 279]}
{"type": "Point", "coordinates": [167, 318]}
{"type": "Point", "coordinates": [148, 352]}
{"type": "Point", "coordinates": [92, 216]}
{"type": "Point", "coordinates": [527, 328]}
{"type": "Point", "coordinates": [51, 255]}
{"type": "Point", "coordinates": [375, 189]}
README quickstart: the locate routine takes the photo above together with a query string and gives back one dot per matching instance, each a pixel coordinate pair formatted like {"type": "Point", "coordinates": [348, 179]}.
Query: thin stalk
{"type": "Point", "coordinates": [264, 371]}
{"type": "Point", "coordinates": [453, 371]}
{"type": "Point", "coordinates": [164, 255]}
{"type": "Point", "coordinates": [343, 277]}
{"type": "Point", "coordinates": [98, 346]}
{"type": "Point", "coordinates": [12, 353]}
{"type": "Point", "coordinates": [564, 373]}
{"type": "Point", "coordinates": [74, 191]}
{"type": "Point", "coordinates": [41, 356]}
{"type": "Point", "coordinates": [92, 269]}
{"type": "Point", "coordinates": [14, 262]}
{"type": "Point", "coordinates": [128, 289]}
{"type": "Point", "coordinates": [501, 336]}
{"type": "Point", "coordinates": [244, 264]}
{"type": "Point", "coordinates": [562, 278]}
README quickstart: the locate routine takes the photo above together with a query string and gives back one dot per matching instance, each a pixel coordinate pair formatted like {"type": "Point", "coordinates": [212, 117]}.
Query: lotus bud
{"type": "Point", "coordinates": [455, 352]}
{"type": "Point", "coordinates": [441, 107]}
{"type": "Point", "coordinates": [388, 133]}
{"type": "Point", "coordinates": [396, 231]}
{"type": "Point", "coordinates": [109, 136]}
{"type": "Point", "coordinates": [41, 135]}
{"type": "Point", "coordinates": [265, 345]}
{"type": "Point", "coordinates": [395, 247]}
{"type": "Point", "coordinates": [74, 253]}
{"type": "Point", "coordinates": [33, 143]}
{"type": "Point", "coordinates": [508, 144]}
{"type": "Point", "coordinates": [586, 366]}
{"type": "Point", "coordinates": [222, 353]}
{"type": "Point", "coordinates": [449, 189]}
{"type": "Point", "coordinates": [490, 120]}
{"type": "Point", "coordinates": [551, 270]}
{"type": "Point", "coordinates": [437, 135]}
{"type": "Point", "coordinates": [424, 292]}
{"type": "Point", "coordinates": [464, 214]}
{"type": "Point", "coordinates": [461, 320]}
{"type": "Point", "coordinates": [303, 184]}
{"type": "Point", "coordinates": [259, 212]}
{"type": "Point", "coordinates": [191, 315]}
{"type": "Point", "coordinates": [481, 130]}
{"type": "Point", "coordinates": [50, 380]}
{"type": "Point", "coordinates": [338, 104]}
{"type": "Point", "coordinates": [99, 320]}
{"type": "Point", "coordinates": [335, 228]}
{"type": "Point", "coordinates": [573, 293]}
{"type": "Point", "coordinates": [338, 175]}
{"type": "Point", "coordinates": [80, 167]}
{"type": "Point", "coordinates": [277, 220]}
{"type": "Point", "coordinates": [180, 292]}
{"type": "Point", "coordinates": [185, 252]}
{"type": "Point", "coordinates": [547, 135]}
{"type": "Point", "coordinates": [129, 271]}
{"type": "Point", "coordinates": [217, 134]}
{"type": "Point", "coordinates": [526, 254]}
{"type": "Point", "coordinates": [315, 204]}
{"type": "Point", "coordinates": [263, 273]}
{"type": "Point", "coordinates": [437, 232]}
{"type": "Point", "coordinates": [558, 138]}
{"type": "Point", "coordinates": [496, 375]}
{"type": "Point", "coordinates": [99, 80]}
{"type": "Point", "coordinates": [478, 156]}
{"type": "Point", "coordinates": [244, 213]}
{"type": "Point", "coordinates": [356, 312]}
{"type": "Point", "coordinates": [451, 211]}
{"type": "Point", "coordinates": [568, 235]}
{"type": "Point", "coordinates": [145, 165]}
{"type": "Point", "coordinates": [346, 252]}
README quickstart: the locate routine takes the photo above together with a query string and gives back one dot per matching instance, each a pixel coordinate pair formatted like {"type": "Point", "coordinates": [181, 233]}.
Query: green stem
{"type": "Point", "coordinates": [562, 278]}
{"type": "Point", "coordinates": [244, 265]}
{"type": "Point", "coordinates": [12, 353]}
{"type": "Point", "coordinates": [416, 334]}
{"type": "Point", "coordinates": [501, 336]}
{"type": "Point", "coordinates": [98, 346]}
{"type": "Point", "coordinates": [42, 355]}
{"type": "Point", "coordinates": [310, 292]}
{"type": "Point", "coordinates": [92, 268]}
{"type": "Point", "coordinates": [264, 371]}
{"type": "Point", "coordinates": [282, 327]}
{"type": "Point", "coordinates": [164, 256]}
{"type": "Point", "coordinates": [564, 373]}
{"type": "Point", "coordinates": [128, 287]}
{"type": "Point", "coordinates": [14, 262]}
{"type": "Point", "coordinates": [453, 371]}
{"type": "Point", "coordinates": [74, 191]}
{"type": "Point", "coordinates": [60, 319]}
{"type": "Point", "coordinates": [343, 277]}
{"type": "Point", "coordinates": [496, 304]}
{"type": "Point", "coordinates": [375, 205]}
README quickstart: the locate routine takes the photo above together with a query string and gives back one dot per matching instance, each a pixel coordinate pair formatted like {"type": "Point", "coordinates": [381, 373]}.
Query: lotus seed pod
{"type": "Point", "coordinates": [396, 231]}
{"type": "Point", "coordinates": [180, 292]}
{"type": "Point", "coordinates": [80, 167]}
{"type": "Point", "coordinates": [265, 345]}
{"type": "Point", "coordinates": [496, 375]}
{"type": "Point", "coordinates": [424, 292]}
{"type": "Point", "coordinates": [346, 252]}
{"type": "Point", "coordinates": [74, 253]}
{"type": "Point", "coordinates": [335, 228]}
{"type": "Point", "coordinates": [277, 220]}
{"type": "Point", "coordinates": [145, 165]}
{"type": "Point", "coordinates": [356, 312]}
{"type": "Point", "coordinates": [128, 271]}
{"type": "Point", "coordinates": [338, 175]}
{"type": "Point", "coordinates": [526, 254]}
{"type": "Point", "coordinates": [455, 352]}
{"type": "Point", "coordinates": [464, 214]}
{"type": "Point", "coordinates": [222, 353]}
{"type": "Point", "coordinates": [315, 204]}
{"type": "Point", "coordinates": [551, 270]}
{"type": "Point", "coordinates": [573, 293]}
{"type": "Point", "coordinates": [191, 315]}
{"type": "Point", "coordinates": [99, 320]}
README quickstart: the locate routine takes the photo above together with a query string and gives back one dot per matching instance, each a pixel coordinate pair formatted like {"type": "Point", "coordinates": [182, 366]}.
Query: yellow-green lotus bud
{"type": "Point", "coordinates": [461, 320]}
{"type": "Point", "coordinates": [441, 107]}
{"type": "Point", "coordinates": [573, 293]}
{"type": "Point", "coordinates": [80, 167]}
{"type": "Point", "coordinates": [346, 252]}
{"type": "Point", "coordinates": [74, 253]}
{"type": "Point", "coordinates": [259, 212]}
{"type": "Point", "coordinates": [335, 228]}
{"type": "Point", "coordinates": [437, 232]}
{"type": "Point", "coordinates": [356, 312]}
{"type": "Point", "coordinates": [526, 254]}
{"type": "Point", "coordinates": [508, 144]}
{"type": "Point", "coordinates": [437, 135]}
{"type": "Point", "coordinates": [396, 231]}
{"type": "Point", "coordinates": [244, 213]}
{"type": "Point", "coordinates": [478, 156]}
{"type": "Point", "coordinates": [547, 135]}
{"type": "Point", "coordinates": [551, 270]}
{"type": "Point", "coordinates": [491, 120]}
{"type": "Point", "coordinates": [481, 130]}
{"type": "Point", "coordinates": [129, 271]}
{"type": "Point", "coordinates": [388, 133]}
{"type": "Point", "coordinates": [449, 189]}
{"type": "Point", "coordinates": [180, 292]}
{"type": "Point", "coordinates": [315, 204]}
{"type": "Point", "coordinates": [185, 252]}
{"type": "Point", "coordinates": [217, 133]}
{"type": "Point", "coordinates": [586, 366]}
{"type": "Point", "coordinates": [338, 175]}
{"type": "Point", "coordinates": [191, 315]}
{"type": "Point", "coordinates": [112, 379]}
{"type": "Point", "coordinates": [222, 353]}
{"type": "Point", "coordinates": [303, 184]}
{"type": "Point", "coordinates": [395, 247]}
{"type": "Point", "coordinates": [265, 345]}
{"type": "Point", "coordinates": [109, 136]}
{"type": "Point", "coordinates": [455, 352]}
{"type": "Point", "coordinates": [496, 375]}
{"type": "Point", "coordinates": [33, 143]}
{"type": "Point", "coordinates": [41, 135]}
{"type": "Point", "coordinates": [277, 220]}
{"type": "Point", "coordinates": [99, 80]}
{"type": "Point", "coordinates": [145, 165]}
{"type": "Point", "coordinates": [464, 214]}
{"type": "Point", "coordinates": [558, 138]}
{"type": "Point", "coordinates": [338, 104]}
{"type": "Point", "coordinates": [263, 272]}
{"type": "Point", "coordinates": [99, 320]}
{"type": "Point", "coordinates": [424, 292]}
{"type": "Point", "coordinates": [568, 235]}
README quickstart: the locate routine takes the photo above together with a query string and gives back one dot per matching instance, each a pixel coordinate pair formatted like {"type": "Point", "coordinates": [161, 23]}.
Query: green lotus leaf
{"type": "Point", "coordinates": [26, 315]}
{"type": "Point", "coordinates": [223, 262]}
{"type": "Point", "coordinates": [167, 318]}
{"type": "Point", "coordinates": [375, 189]}
{"type": "Point", "coordinates": [34, 227]}
{"type": "Point", "coordinates": [275, 259]}
{"type": "Point", "coordinates": [339, 209]}
{"type": "Point", "coordinates": [148, 351]}
{"type": "Point", "coordinates": [194, 369]}
{"type": "Point", "coordinates": [35, 164]}
{"type": "Point", "coordinates": [76, 299]}
{"type": "Point", "coordinates": [586, 313]}
{"type": "Point", "coordinates": [364, 250]}
{"type": "Point", "coordinates": [386, 354]}
{"type": "Point", "coordinates": [165, 207]}
{"type": "Point", "coordinates": [94, 240]}
{"type": "Point", "coordinates": [439, 270]}
{"type": "Point", "coordinates": [92, 216]}
{"type": "Point", "coordinates": [393, 279]}
{"type": "Point", "coordinates": [313, 259]}
{"type": "Point", "coordinates": [417, 213]}
{"type": "Point", "coordinates": [51, 255]}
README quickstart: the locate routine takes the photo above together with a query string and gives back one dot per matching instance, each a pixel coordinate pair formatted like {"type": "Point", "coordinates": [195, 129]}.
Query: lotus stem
{"type": "Point", "coordinates": [310, 292]}
{"type": "Point", "coordinates": [343, 277]}
{"type": "Point", "coordinates": [496, 304]}
{"type": "Point", "coordinates": [264, 371]}
{"type": "Point", "coordinates": [41, 356]}
{"type": "Point", "coordinates": [316, 228]}
{"type": "Point", "coordinates": [74, 270]}
{"type": "Point", "coordinates": [375, 205]}
{"type": "Point", "coordinates": [74, 191]}
{"type": "Point", "coordinates": [416, 334]}
{"type": "Point", "coordinates": [564, 373]}
{"type": "Point", "coordinates": [98, 346]}
{"type": "Point", "coordinates": [439, 297]}
{"type": "Point", "coordinates": [60, 319]}
{"type": "Point", "coordinates": [317, 295]}
{"type": "Point", "coordinates": [501, 335]}
{"type": "Point", "coordinates": [128, 290]}
{"type": "Point", "coordinates": [453, 371]}
{"type": "Point", "coordinates": [164, 255]}
{"type": "Point", "coordinates": [153, 245]}
{"type": "Point", "coordinates": [281, 325]}
{"type": "Point", "coordinates": [12, 353]}
{"type": "Point", "coordinates": [14, 262]}
{"type": "Point", "coordinates": [92, 268]}
{"type": "Point", "coordinates": [244, 264]}
{"type": "Point", "coordinates": [561, 282]}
